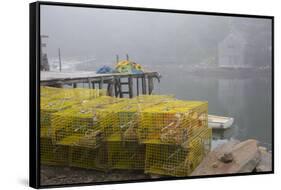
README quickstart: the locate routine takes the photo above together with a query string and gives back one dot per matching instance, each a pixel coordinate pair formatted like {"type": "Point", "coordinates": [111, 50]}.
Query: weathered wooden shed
{"type": "Point", "coordinates": [231, 51]}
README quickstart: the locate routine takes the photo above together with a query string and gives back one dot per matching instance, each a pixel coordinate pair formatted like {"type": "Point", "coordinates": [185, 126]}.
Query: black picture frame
{"type": "Point", "coordinates": [34, 89]}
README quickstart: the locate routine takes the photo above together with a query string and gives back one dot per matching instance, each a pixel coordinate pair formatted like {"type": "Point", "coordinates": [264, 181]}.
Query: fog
{"type": "Point", "coordinates": [148, 37]}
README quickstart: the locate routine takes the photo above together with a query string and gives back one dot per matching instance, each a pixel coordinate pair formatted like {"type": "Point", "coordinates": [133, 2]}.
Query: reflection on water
{"type": "Point", "coordinates": [245, 98]}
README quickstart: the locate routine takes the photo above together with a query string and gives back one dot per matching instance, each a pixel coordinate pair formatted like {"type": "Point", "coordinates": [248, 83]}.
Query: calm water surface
{"type": "Point", "coordinates": [245, 97]}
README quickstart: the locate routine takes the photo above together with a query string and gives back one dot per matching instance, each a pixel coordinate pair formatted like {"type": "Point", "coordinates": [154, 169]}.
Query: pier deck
{"type": "Point", "coordinates": [114, 82]}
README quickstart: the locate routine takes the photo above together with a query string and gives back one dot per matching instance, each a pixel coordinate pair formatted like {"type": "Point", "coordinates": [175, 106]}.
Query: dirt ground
{"type": "Point", "coordinates": [55, 175]}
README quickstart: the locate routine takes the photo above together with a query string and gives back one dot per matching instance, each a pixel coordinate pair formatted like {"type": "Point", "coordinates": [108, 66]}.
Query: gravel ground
{"type": "Point", "coordinates": [55, 175]}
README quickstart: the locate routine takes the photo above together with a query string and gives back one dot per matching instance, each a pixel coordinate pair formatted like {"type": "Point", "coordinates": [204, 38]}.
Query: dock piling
{"type": "Point", "coordinates": [143, 84]}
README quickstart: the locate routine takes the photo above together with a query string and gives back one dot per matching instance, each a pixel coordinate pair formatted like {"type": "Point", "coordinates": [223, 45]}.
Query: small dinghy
{"type": "Point", "coordinates": [219, 122]}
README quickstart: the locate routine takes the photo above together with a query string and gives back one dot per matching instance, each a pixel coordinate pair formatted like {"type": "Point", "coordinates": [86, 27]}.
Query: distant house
{"type": "Point", "coordinates": [44, 62]}
{"type": "Point", "coordinates": [44, 65]}
{"type": "Point", "coordinates": [231, 51]}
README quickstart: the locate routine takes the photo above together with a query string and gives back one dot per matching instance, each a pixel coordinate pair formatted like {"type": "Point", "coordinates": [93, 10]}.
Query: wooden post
{"type": "Point", "coordinates": [130, 87]}
{"type": "Point", "coordinates": [137, 86]}
{"type": "Point", "coordinates": [127, 57]}
{"type": "Point", "coordinates": [101, 83]}
{"type": "Point", "coordinates": [93, 85]}
{"type": "Point", "coordinates": [110, 87]}
{"type": "Point", "coordinates": [120, 88]}
{"type": "Point", "coordinates": [108, 90]}
{"type": "Point", "coordinates": [59, 60]}
{"type": "Point", "coordinates": [150, 85]}
{"type": "Point", "coordinates": [74, 85]}
{"type": "Point", "coordinates": [144, 84]}
{"type": "Point", "coordinates": [89, 83]}
{"type": "Point", "coordinates": [116, 87]}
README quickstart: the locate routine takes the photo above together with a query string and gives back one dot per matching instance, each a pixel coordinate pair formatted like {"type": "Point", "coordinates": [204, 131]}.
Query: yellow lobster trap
{"type": "Point", "coordinates": [126, 155]}
{"type": "Point", "coordinates": [172, 122]}
{"type": "Point", "coordinates": [177, 160]}
{"type": "Point", "coordinates": [77, 94]}
{"type": "Point", "coordinates": [52, 154]}
{"type": "Point", "coordinates": [89, 158]}
{"type": "Point", "coordinates": [124, 151]}
{"type": "Point", "coordinates": [82, 124]}
{"type": "Point", "coordinates": [53, 100]}
{"type": "Point", "coordinates": [124, 116]}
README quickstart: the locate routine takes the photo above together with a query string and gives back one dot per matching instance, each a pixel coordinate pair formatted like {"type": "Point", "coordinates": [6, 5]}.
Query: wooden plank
{"type": "Point", "coordinates": [62, 78]}
{"type": "Point", "coordinates": [231, 157]}
{"type": "Point", "coordinates": [50, 78]}
{"type": "Point", "coordinates": [49, 75]}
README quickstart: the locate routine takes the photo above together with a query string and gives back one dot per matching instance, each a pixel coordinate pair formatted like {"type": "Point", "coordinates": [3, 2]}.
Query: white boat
{"type": "Point", "coordinates": [219, 122]}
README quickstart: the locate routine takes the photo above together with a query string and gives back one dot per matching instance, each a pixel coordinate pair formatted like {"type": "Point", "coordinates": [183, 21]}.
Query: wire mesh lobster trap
{"type": "Point", "coordinates": [177, 160]}
{"type": "Point", "coordinates": [126, 155]}
{"type": "Point", "coordinates": [82, 124]}
{"type": "Point", "coordinates": [47, 108]}
{"type": "Point", "coordinates": [71, 93]}
{"type": "Point", "coordinates": [172, 122]}
{"type": "Point", "coordinates": [89, 158]}
{"type": "Point", "coordinates": [124, 116]}
{"type": "Point", "coordinates": [53, 100]}
{"type": "Point", "coordinates": [52, 154]}
{"type": "Point", "coordinates": [155, 133]}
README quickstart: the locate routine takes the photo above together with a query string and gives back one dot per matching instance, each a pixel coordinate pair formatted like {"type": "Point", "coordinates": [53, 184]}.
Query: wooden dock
{"type": "Point", "coordinates": [117, 84]}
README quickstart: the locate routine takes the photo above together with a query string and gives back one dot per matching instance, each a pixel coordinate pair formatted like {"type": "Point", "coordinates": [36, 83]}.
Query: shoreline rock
{"type": "Point", "coordinates": [235, 157]}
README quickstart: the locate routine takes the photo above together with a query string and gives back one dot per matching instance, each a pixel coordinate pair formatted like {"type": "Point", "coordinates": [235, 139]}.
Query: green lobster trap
{"type": "Point", "coordinates": [172, 122]}
{"type": "Point", "coordinates": [177, 160]}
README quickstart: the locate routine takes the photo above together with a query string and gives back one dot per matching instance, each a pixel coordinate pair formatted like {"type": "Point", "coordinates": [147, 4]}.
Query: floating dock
{"type": "Point", "coordinates": [219, 122]}
{"type": "Point", "coordinates": [117, 84]}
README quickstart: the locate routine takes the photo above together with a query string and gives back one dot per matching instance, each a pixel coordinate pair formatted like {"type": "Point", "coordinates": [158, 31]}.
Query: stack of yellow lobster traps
{"type": "Point", "coordinates": [154, 133]}
{"type": "Point", "coordinates": [176, 135]}
{"type": "Point", "coordinates": [124, 149]}
{"type": "Point", "coordinates": [53, 101]}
